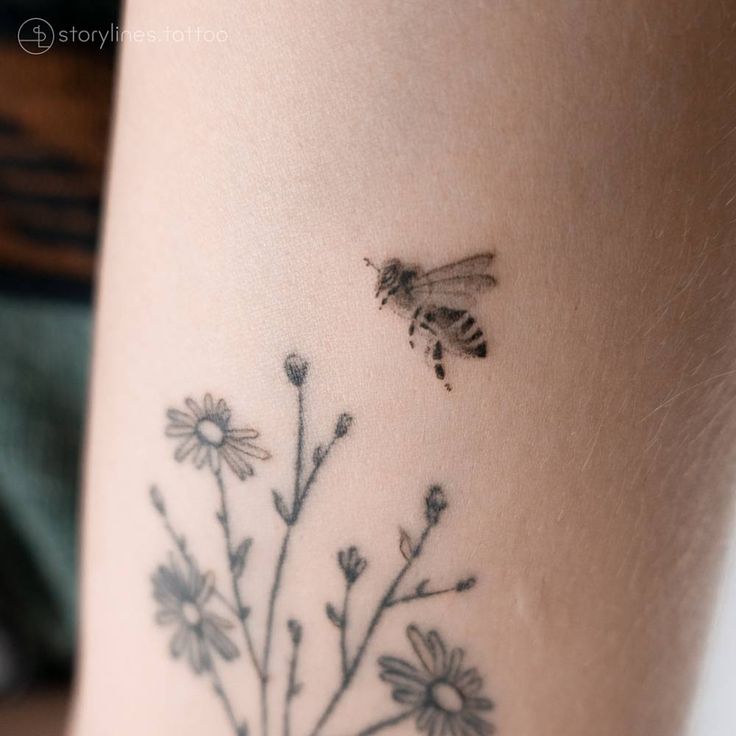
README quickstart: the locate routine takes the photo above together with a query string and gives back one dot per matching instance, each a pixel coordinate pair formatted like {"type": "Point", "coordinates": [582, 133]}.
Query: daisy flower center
{"type": "Point", "coordinates": [190, 613]}
{"type": "Point", "coordinates": [210, 432]}
{"type": "Point", "coordinates": [447, 697]}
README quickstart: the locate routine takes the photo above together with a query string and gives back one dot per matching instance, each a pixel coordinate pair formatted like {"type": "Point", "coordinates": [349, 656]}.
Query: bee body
{"type": "Point", "coordinates": [436, 304]}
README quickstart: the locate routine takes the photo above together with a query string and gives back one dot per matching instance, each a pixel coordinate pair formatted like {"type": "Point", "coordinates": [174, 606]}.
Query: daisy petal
{"type": "Point", "coordinates": [194, 408]}
{"type": "Point", "coordinates": [253, 451]}
{"type": "Point", "coordinates": [185, 448]}
{"type": "Point", "coordinates": [237, 463]}
{"type": "Point", "coordinates": [399, 666]}
{"type": "Point", "coordinates": [465, 730]}
{"type": "Point", "coordinates": [209, 405]}
{"type": "Point", "coordinates": [423, 718]}
{"type": "Point", "coordinates": [455, 726]}
{"type": "Point", "coordinates": [179, 417]}
{"type": "Point", "coordinates": [244, 433]}
{"type": "Point", "coordinates": [227, 650]}
{"type": "Point", "coordinates": [477, 726]}
{"type": "Point", "coordinates": [198, 654]}
{"type": "Point", "coordinates": [408, 697]}
{"type": "Point", "coordinates": [439, 654]}
{"type": "Point", "coordinates": [166, 616]}
{"type": "Point", "coordinates": [435, 722]}
{"type": "Point", "coordinates": [469, 682]}
{"type": "Point", "coordinates": [402, 681]}
{"type": "Point", "coordinates": [421, 648]}
{"type": "Point", "coordinates": [178, 430]}
{"type": "Point", "coordinates": [455, 663]}
{"type": "Point", "coordinates": [207, 586]}
{"type": "Point", "coordinates": [221, 623]}
{"type": "Point", "coordinates": [179, 641]}
{"type": "Point", "coordinates": [479, 704]}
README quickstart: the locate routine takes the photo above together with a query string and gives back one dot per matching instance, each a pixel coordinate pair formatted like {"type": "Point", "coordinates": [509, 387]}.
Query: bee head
{"type": "Point", "coordinates": [388, 278]}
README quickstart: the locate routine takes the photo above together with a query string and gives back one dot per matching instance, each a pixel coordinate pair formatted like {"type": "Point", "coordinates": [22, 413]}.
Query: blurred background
{"type": "Point", "coordinates": [54, 122]}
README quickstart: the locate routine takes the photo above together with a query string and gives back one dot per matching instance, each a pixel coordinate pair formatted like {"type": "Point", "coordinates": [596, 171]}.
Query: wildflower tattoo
{"type": "Point", "coordinates": [210, 623]}
{"type": "Point", "coordinates": [183, 597]}
{"type": "Point", "coordinates": [441, 694]}
{"type": "Point", "coordinates": [206, 436]}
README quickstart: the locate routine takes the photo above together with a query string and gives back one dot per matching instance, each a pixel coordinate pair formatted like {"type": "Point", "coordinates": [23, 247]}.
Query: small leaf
{"type": "Point", "coordinates": [334, 616]}
{"type": "Point", "coordinates": [406, 547]}
{"type": "Point", "coordinates": [281, 507]}
{"type": "Point", "coordinates": [296, 689]}
{"type": "Point", "coordinates": [295, 631]}
{"type": "Point", "coordinates": [421, 588]}
{"type": "Point", "coordinates": [242, 730]}
{"type": "Point", "coordinates": [221, 518]}
{"type": "Point", "coordinates": [158, 500]}
{"type": "Point", "coordinates": [466, 584]}
{"type": "Point", "coordinates": [237, 560]}
{"type": "Point", "coordinates": [319, 455]}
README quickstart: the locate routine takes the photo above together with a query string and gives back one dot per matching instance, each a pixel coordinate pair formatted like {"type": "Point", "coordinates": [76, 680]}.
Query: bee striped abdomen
{"type": "Point", "coordinates": [458, 331]}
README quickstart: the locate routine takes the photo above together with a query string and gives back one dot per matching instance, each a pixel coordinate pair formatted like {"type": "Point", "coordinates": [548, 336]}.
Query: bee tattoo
{"type": "Point", "coordinates": [437, 303]}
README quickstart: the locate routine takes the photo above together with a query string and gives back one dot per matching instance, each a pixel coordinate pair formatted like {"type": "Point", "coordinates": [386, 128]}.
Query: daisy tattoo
{"type": "Point", "coordinates": [443, 696]}
{"type": "Point", "coordinates": [209, 621]}
{"type": "Point", "coordinates": [207, 437]}
{"type": "Point", "coordinates": [183, 597]}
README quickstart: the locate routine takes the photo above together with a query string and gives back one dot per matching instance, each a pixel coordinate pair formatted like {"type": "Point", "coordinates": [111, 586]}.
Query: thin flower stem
{"type": "Point", "coordinates": [292, 688]}
{"type": "Point", "coordinates": [343, 631]}
{"type": "Point", "coordinates": [265, 672]}
{"type": "Point", "coordinates": [178, 541]}
{"type": "Point", "coordinates": [219, 689]}
{"type": "Point", "coordinates": [312, 477]}
{"type": "Point", "coordinates": [299, 461]}
{"type": "Point", "coordinates": [300, 496]}
{"type": "Point", "coordinates": [382, 606]}
{"type": "Point", "coordinates": [387, 723]}
{"type": "Point", "coordinates": [419, 596]}
{"type": "Point", "coordinates": [283, 552]}
{"type": "Point", "coordinates": [240, 608]}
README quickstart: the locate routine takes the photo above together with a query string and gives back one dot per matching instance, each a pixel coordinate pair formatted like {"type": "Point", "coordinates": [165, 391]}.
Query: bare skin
{"type": "Point", "coordinates": [586, 460]}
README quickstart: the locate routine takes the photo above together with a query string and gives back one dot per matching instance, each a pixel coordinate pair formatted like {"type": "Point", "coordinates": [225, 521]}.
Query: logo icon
{"type": "Point", "coordinates": [35, 36]}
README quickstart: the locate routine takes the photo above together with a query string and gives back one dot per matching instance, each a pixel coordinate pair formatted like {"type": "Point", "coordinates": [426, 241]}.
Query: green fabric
{"type": "Point", "coordinates": [44, 348]}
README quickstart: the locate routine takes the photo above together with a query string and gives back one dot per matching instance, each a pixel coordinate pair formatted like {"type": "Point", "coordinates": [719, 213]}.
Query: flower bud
{"type": "Point", "coordinates": [343, 425]}
{"type": "Point", "coordinates": [436, 503]}
{"type": "Point", "coordinates": [466, 584]}
{"type": "Point", "coordinates": [295, 630]}
{"type": "Point", "coordinates": [296, 369]}
{"type": "Point", "coordinates": [351, 564]}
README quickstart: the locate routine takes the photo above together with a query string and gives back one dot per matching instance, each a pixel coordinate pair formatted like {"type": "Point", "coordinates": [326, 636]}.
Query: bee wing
{"type": "Point", "coordinates": [457, 283]}
{"type": "Point", "coordinates": [453, 292]}
{"type": "Point", "coordinates": [471, 266]}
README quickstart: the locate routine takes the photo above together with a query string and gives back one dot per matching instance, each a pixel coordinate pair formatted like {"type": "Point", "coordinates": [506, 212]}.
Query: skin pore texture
{"type": "Point", "coordinates": [291, 526]}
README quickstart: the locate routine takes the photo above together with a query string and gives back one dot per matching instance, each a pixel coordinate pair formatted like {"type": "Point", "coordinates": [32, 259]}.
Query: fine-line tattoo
{"type": "Point", "coordinates": [211, 625]}
{"type": "Point", "coordinates": [437, 304]}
